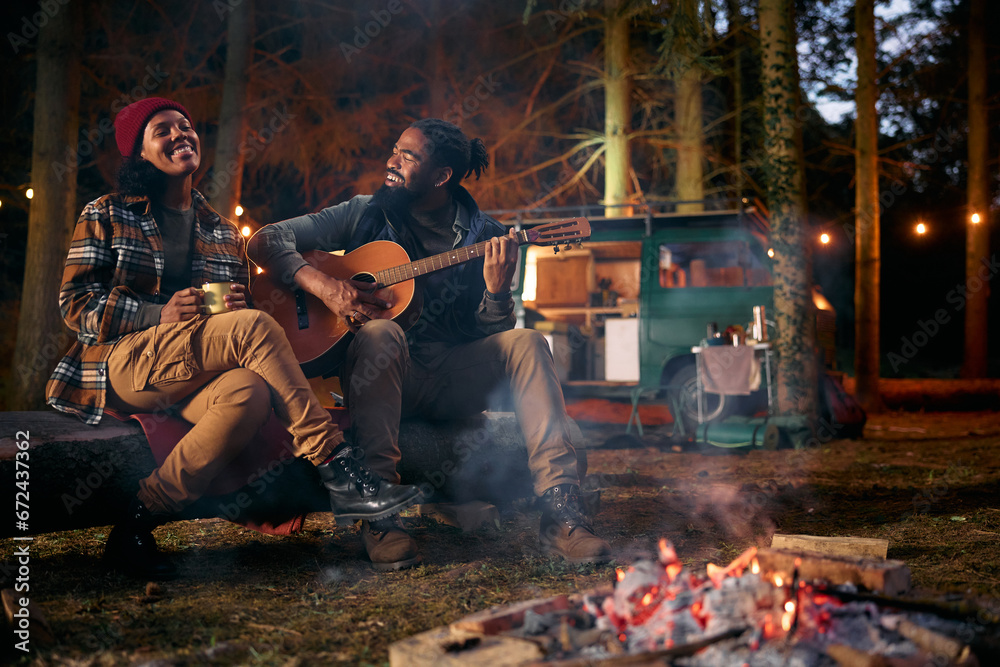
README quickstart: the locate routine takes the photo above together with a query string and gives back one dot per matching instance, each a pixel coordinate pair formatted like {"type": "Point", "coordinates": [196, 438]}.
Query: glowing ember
{"type": "Point", "coordinates": [768, 627]}
{"type": "Point", "coordinates": [620, 574]}
{"type": "Point", "coordinates": [647, 598]}
{"type": "Point", "coordinates": [778, 581]}
{"type": "Point", "coordinates": [786, 621]}
{"type": "Point", "coordinates": [755, 566]}
{"type": "Point", "coordinates": [790, 606]}
{"type": "Point", "coordinates": [667, 552]}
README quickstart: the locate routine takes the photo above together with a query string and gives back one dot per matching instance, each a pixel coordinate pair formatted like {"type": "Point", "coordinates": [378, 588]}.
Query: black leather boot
{"type": "Point", "coordinates": [358, 493]}
{"type": "Point", "coordinates": [131, 549]}
{"type": "Point", "coordinates": [565, 530]}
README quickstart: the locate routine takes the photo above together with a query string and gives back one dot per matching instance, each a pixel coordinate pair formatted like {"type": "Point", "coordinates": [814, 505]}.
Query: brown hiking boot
{"type": "Point", "coordinates": [388, 544]}
{"type": "Point", "coordinates": [565, 530]}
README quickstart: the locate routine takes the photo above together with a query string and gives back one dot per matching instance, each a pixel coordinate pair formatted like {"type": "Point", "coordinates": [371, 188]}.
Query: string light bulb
{"type": "Point", "coordinates": [246, 230]}
{"type": "Point", "coordinates": [29, 193]}
{"type": "Point", "coordinates": [238, 210]}
{"type": "Point", "coordinates": [975, 218]}
{"type": "Point", "coordinates": [824, 238]}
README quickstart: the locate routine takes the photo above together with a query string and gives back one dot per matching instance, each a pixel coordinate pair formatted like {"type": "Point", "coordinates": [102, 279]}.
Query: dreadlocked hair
{"type": "Point", "coordinates": [449, 147]}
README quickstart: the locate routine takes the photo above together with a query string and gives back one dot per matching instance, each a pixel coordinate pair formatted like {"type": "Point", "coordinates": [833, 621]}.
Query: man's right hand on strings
{"type": "Point", "coordinates": [352, 300]}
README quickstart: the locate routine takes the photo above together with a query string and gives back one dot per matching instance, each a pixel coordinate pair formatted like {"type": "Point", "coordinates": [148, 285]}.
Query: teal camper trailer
{"type": "Point", "coordinates": [627, 312]}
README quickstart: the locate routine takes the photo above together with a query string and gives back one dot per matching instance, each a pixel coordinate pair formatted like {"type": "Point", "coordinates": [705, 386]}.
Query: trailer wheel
{"type": "Point", "coordinates": [682, 391]}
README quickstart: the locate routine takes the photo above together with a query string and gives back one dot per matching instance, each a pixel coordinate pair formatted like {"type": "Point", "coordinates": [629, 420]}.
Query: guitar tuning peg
{"type": "Point", "coordinates": [569, 246]}
{"type": "Point", "coordinates": [579, 244]}
{"type": "Point", "coordinates": [555, 250]}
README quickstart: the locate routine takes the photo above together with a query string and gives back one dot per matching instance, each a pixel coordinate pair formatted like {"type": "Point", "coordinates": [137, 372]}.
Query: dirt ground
{"type": "Point", "coordinates": [927, 482]}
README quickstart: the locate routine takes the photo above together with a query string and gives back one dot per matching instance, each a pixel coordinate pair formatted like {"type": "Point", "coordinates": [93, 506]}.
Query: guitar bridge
{"type": "Point", "coordinates": [301, 309]}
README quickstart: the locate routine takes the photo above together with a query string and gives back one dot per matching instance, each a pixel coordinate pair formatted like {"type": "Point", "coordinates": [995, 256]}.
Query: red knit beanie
{"type": "Point", "coordinates": [131, 121]}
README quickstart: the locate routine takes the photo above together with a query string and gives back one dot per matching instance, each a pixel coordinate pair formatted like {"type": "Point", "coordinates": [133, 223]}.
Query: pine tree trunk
{"type": "Point", "coordinates": [794, 317]}
{"type": "Point", "coordinates": [226, 185]}
{"type": "Point", "coordinates": [690, 141]}
{"type": "Point", "coordinates": [616, 109]}
{"type": "Point", "coordinates": [736, 26]}
{"type": "Point", "coordinates": [977, 242]}
{"type": "Point", "coordinates": [690, 125]}
{"type": "Point", "coordinates": [868, 262]}
{"type": "Point", "coordinates": [41, 338]}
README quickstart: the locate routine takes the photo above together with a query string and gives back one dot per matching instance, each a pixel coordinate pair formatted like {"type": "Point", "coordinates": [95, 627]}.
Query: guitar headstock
{"type": "Point", "coordinates": [573, 230]}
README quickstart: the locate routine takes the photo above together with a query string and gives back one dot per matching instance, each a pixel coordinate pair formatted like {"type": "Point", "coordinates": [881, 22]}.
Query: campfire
{"type": "Point", "coordinates": [763, 618]}
{"type": "Point", "coordinates": [767, 607]}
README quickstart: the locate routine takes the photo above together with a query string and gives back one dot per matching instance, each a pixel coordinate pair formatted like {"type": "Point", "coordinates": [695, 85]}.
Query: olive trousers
{"type": "Point", "coordinates": [383, 382]}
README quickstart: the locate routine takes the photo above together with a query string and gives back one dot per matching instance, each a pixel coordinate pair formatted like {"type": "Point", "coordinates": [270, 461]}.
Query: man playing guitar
{"type": "Point", "coordinates": [459, 353]}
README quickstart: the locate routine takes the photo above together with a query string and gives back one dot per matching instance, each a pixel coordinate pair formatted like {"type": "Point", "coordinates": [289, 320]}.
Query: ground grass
{"type": "Point", "coordinates": [930, 484]}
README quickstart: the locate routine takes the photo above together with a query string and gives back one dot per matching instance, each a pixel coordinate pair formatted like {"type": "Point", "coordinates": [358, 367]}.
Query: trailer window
{"type": "Point", "coordinates": [711, 264]}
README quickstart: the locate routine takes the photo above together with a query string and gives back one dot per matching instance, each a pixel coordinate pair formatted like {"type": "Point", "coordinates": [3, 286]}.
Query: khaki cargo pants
{"type": "Point", "coordinates": [224, 374]}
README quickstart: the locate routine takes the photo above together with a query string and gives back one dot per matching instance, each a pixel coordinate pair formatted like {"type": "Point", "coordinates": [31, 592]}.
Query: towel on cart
{"type": "Point", "coordinates": [728, 370]}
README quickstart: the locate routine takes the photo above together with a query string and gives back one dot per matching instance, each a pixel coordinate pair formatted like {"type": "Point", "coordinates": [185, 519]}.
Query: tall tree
{"type": "Point", "coordinates": [977, 242]}
{"type": "Point", "coordinates": [796, 324]}
{"type": "Point", "coordinates": [688, 75]}
{"type": "Point", "coordinates": [617, 113]}
{"type": "Point", "coordinates": [227, 182]}
{"type": "Point", "coordinates": [736, 27]}
{"type": "Point", "coordinates": [867, 269]}
{"type": "Point", "coordinates": [40, 336]}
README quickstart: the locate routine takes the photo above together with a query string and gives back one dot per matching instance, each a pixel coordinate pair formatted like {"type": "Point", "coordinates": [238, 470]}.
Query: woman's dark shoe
{"type": "Point", "coordinates": [131, 549]}
{"type": "Point", "coordinates": [358, 493]}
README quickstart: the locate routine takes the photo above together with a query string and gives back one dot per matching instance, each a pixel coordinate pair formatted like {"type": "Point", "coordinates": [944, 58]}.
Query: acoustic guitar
{"type": "Point", "coordinates": [320, 339]}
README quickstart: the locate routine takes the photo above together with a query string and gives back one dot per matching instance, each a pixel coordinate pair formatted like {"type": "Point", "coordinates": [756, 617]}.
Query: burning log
{"type": "Point", "coordinates": [500, 619]}
{"type": "Point", "coordinates": [891, 577]}
{"type": "Point", "coordinates": [957, 610]}
{"type": "Point", "coordinates": [650, 658]}
{"type": "Point", "coordinates": [932, 642]}
{"type": "Point", "coordinates": [851, 657]}
{"type": "Point", "coordinates": [847, 656]}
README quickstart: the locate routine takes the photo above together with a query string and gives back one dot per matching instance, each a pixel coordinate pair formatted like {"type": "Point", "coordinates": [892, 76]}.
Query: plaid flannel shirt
{"type": "Point", "coordinates": [115, 264]}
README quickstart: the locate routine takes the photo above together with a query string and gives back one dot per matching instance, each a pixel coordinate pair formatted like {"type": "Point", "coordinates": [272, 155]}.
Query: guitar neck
{"type": "Point", "coordinates": [421, 267]}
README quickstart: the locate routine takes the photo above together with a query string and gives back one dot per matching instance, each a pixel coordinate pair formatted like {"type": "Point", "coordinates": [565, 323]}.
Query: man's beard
{"type": "Point", "coordinates": [395, 199]}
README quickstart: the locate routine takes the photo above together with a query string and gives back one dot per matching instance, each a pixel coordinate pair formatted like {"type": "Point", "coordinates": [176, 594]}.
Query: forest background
{"type": "Point", "coordinates": [329, 86]}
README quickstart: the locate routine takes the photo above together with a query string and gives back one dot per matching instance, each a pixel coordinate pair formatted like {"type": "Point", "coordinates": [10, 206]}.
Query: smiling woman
{"type": "Point", "coordinates": [145, 342]}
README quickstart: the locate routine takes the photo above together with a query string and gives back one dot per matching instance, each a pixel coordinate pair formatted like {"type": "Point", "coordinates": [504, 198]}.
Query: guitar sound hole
{"type": "Point", "coordinates": [370, 279]}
